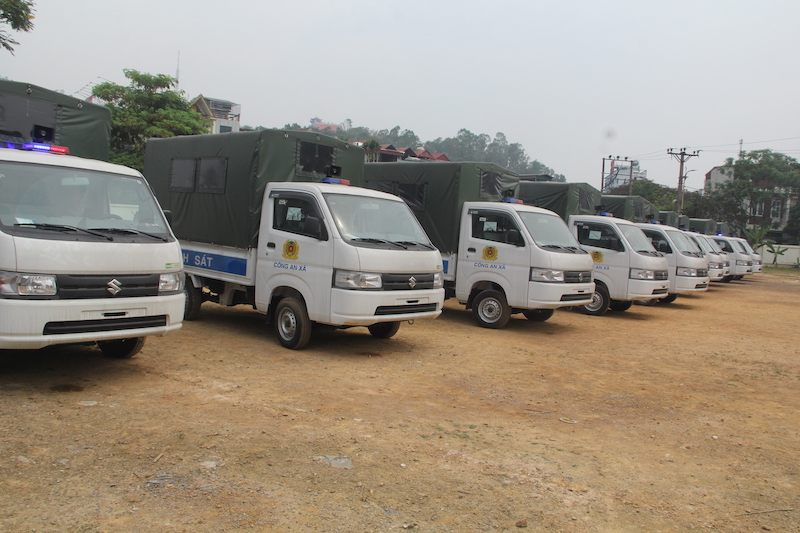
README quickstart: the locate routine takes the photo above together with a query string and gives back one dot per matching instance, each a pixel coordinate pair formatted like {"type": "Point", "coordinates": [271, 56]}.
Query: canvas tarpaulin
{"type": "Point", "coordinates": [436, 191]}
{"type": "Point", "coordinates": [703, 225]}
{"type": "Point", "coordinates": [633, 208]}
{"type": "Point", "coordinates": [214, 184]}
{"type": "Point", "coordinates": [563, 198]}
{"type": "Point", "coordinates": [37, 114]}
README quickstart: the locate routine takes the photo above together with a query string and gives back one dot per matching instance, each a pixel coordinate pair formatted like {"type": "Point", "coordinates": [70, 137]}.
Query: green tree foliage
{"type": "Point", "coordinates": [147, 107]}
{"type": "Point", "coordinates": [767, 170]}
{"type": "Point", "coordinates": [18, 14]}
{"type": "Point", "coordinates": [371, 148]}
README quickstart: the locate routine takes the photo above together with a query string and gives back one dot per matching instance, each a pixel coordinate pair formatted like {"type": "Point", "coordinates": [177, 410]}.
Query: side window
{"type": "Point", "coordinates": [659, 241]}
{"type": "Point", "coordinates": [296, 215]}
{"type": "Point", "coordinates": [493, 227]}
{"type": "Point", "coordinates": [726, 247]}
{"type": "Point", "coordinates": [599, 236]}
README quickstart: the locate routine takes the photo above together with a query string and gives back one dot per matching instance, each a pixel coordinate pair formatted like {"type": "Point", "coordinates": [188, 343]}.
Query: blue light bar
{"type": "Point", "coordinates": [40, 147]}
{"type": "Point", "coordinates": [512, 201]}
{"type": "Point", "coordinates": [336, 181]}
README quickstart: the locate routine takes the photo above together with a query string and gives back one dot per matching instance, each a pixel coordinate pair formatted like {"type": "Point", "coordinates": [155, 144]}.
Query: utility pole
{"type": "Point", "coordinates": [605, 184]}
{"type": "Point", "coordinates": [682, 156]}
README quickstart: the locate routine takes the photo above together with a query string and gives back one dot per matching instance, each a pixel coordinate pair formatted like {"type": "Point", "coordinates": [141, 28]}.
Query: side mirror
{"type": "Point", "coordinates": [514, 237]}
{"type": "Point", "coordinates": [615, 244]}
{"type": "Point", "coordinates": [168, 216]}
{"type": "Point", "coordinates": [312, 227]}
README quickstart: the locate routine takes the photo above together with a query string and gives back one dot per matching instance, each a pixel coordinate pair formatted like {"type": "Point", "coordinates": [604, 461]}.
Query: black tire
{"type": "Point", "coordinates": [384, 330]}
{"type": "Point", "coordinates": [121, 348]}
{"type": "Point", "coordinates": [727, 279]}
{"type": "Point", "coordinates": [668, 299]}
{"type": "Point", "coordinates": [618, 305]}
{"type": "Point", "coordinates": [654, 301]}
{"type": "Point", "coordinates": [538, 315]}
{"type": "Point", "coordinates": [491, 310]}
{"type": "Point", "coordinates": [194, 297]}
{"type": "Point", "coordinates": [292, 323]}
{"type": "Point", "coordinates": [600, 302]}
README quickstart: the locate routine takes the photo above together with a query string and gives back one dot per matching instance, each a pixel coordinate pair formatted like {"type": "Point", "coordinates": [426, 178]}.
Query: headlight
{"type": "Point", "coordinates": [548, 276]}
{"type": "Point", "coordinates": [438, 280]}
{"type": "Point", "coordinates": [741, 263]}
{"type": "Point", "coordinates": [686, 271]}
{"type": "Point", "coordinates": [172, 282]}
{"type": "Point", "coordinates": [637, 273]}
{"type": "Point", "coordinates": [15, 284]}
{"type": "Point", "coordinates": [346, 279]}
{"type": "Point", "coordinates": [714, 266]}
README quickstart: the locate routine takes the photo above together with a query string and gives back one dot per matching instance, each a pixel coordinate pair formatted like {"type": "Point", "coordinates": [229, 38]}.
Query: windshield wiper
{"type": "Point", "coordinates": [414, 243]}
{"type": "Point", "coordinates": [62, 227]}
{"type": "Point", "coordinates": [131, 232]}
{"type": "Point", "coordinates": [377, 241]}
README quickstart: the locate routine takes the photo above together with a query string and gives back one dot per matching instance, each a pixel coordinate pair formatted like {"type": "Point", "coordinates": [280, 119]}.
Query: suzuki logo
{"type": "Point", "coordinates": [580, 277]}
{"type": "Point", "coordinates": [412, 282]}
{"type": "Point", "coordinates": [114, 287]}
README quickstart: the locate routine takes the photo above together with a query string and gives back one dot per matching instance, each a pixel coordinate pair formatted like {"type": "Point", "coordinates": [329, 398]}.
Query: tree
{"type": "Point", "coordinates": [19, 15]}
{"type": "Point", "coordinates": [371, 150]}
{"type": "Point", "coordinates": [147, 107]}
{"type": "Point", "coordinates": [767, 169]}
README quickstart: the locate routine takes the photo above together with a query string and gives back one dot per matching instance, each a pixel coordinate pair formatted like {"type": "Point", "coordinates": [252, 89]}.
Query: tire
{"type": "Point", "coordinates": [121, 348]}
{"type": "Point", "coordinates": [194, 297]}
{"type": "Point", "coordinates": [491, 310]}
{"type": "Point", "coordinates": [600, 302]}
{"type": "Point", "coordinates": [538, 315]}
{"type": "Point", "coordinates": [618, 305]}
{"type": "Point", "coordinates": [727, 279]}
{"type": "Point", "coordinates": [668, 299]}
{"type": "Point", "coordinates": [292, 323]}
{"type": "Point", "coordinates": [654, 301]}
{"type": "Point", "coordinates": [384, 330]}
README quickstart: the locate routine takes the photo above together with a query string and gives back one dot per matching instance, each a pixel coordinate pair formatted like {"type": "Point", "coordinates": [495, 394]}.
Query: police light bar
{"type": "Point", "coordinates": [336, 181]}
{"type": "Point", "coordinates": [40, 147]}
{"type": "Point", "coordinates": [512, 201]}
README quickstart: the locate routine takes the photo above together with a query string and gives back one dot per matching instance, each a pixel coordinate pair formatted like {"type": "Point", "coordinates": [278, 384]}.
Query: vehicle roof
{"type": "Point", "coordinates": [331, 188]}
{"type": "Point", "coordinates": [599, 218]}
{"type": "Point", "coordinates": [61, 160]}
{"type": "Point", "coordinates": [514, 206]}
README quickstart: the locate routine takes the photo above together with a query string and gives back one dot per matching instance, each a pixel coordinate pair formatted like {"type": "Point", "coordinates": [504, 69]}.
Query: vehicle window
{"type": "Point", "coordinates": [636, 238]}
{"type": "Point", "coordinates": [659, 241]}
{"type": "Point", "coordinates": [725, 245]}
{"type": "Point", "coordinates": [493, 227]}
{"type": "Point", "coordinates": [292, 214]}
{"type": "Point", "coordinates": [599, 236]}
{"type": "Point", "coordinates": [682, 242]}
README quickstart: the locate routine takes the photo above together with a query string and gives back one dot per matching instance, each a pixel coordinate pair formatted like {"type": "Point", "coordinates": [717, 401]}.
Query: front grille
{"type": "Point", "coordinates": [403, 282]}
{"type": "Point", "coordinates": [702, 273]}
{"type": "Point", "coordinates": [577, 276]}
{"type": "Point", "coordinates": [661, 275]}
{"type": "Point", "coordinates": [404, 309]}
{"type": "Point", "coordinates": [575, 297]}
{"type": "Point", "coordinates": [93, 286]}
{"type": "Point", "coordinates": [111, 324]}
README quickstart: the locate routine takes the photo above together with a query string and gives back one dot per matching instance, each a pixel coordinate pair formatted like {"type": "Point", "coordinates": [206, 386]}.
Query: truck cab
{"type": "Point", "coordinates": [516, 258]}
{"type": "Point", "coordinates": [716, 260]}
{"type": "Point", "coordinates": [741, 262]}
{"type": "Point", "coordinates": [688, 267]}
{"type": "Point", "coordinates": [86, 254]}
{"type": "Point", "coordinates": [626, 266]}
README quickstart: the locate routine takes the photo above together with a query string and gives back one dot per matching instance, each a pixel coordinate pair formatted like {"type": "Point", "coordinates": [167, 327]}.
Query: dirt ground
{"type": "Point", "coordinates": [674, 417]}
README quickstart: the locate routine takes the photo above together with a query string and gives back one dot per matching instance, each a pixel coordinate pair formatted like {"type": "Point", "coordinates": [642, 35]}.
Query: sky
{"type": "Point", "coordinates": [572, 81]}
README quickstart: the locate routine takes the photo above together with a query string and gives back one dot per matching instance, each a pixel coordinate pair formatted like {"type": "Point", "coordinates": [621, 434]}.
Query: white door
{"type": "Point", "coordinates": [610, 261]}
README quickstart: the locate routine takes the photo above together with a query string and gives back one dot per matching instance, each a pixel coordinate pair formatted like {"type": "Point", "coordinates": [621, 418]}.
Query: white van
{"type": "Point", "coordinates": [626, 266]}
{"type": "Point", "coordinates": [756, 257]}
{"type": "Point", "coordinates": [688, 267]}
{"type": "Point", "coordinates": [716, 260]}
{"type": "Point", "coordinates": [86, 255]}
{"type": "Point", "coordinates": [741, 262]}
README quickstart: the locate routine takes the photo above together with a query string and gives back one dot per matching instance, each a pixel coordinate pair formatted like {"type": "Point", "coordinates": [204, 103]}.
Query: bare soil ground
{"type": "Point", "coordinates": [675, 417]}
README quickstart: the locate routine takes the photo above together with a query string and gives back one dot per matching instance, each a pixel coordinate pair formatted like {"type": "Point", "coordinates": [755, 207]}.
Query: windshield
{"type": "Point", "coordinates": [548, 230]}
{"type": "Point", "coordinates": [683, 243]}
{"type": "Point", "coordinates": [740, 245]}
{"type": "Point", "coordinates": [365, 218]}
{"type": "Point", "coordinates": [636, 237]}
{"type": "Point", "coordinates": [702, 244]}
{"type": "Point", "coordinates": [40, 201]}
{"type": "Point", "coordinates": [713, 244]}
{"type": "Point", "coordinates": [748, 248]}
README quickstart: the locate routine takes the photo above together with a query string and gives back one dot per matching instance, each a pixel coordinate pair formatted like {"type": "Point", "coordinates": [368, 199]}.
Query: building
{"type": "Point", "coordinates": [223, 114]}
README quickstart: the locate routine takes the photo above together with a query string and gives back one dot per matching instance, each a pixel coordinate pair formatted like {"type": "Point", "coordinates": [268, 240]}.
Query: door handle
{"type": "Point", "coordinates": [470, 249]}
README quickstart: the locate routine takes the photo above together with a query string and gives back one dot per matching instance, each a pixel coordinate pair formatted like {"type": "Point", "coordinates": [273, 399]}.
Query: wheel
{"type": "Point", "coordinates": [491, 310]}
{"type": "Point", "coordinates": [727, 279]}
{"type": "Point", "coordinates": [618, 305]}
{"type": "Point", "coordinates": [538, 315]}
{"type": "Point", "coordinates": [600, 302]}
{"type": "Point", "coordinates": [121, 348]}
{"type": "Point", "coordinates": [654, 301]}
{"type": "Point", "coordinates": [292, 323]}
{"type": "Point", "coordinates": [668, 299]}
{"type": "Point", "coordinates": [384, 330]}
{"type": "Point", "coordinates": [194, 297]}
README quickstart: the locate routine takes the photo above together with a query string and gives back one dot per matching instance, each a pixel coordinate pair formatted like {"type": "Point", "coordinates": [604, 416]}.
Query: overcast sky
{"type": "Point", "coordinates": [572, 81]}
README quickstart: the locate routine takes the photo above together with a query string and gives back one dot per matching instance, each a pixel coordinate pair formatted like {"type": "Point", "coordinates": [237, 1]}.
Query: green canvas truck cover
{"type": "Point", "coordinates": [668, 218]}
{"type": "Point", "coordinates": [683, 221]}
{"type": "Point", "coordinates": [703, 225]}
{"type": "Point", "coordinates": [214, 184]}
{"type": "Point", "coordinates": [723, 228]}
{"type": "Point", "coordinates": [435, 191]}
{"type": "Point", "coordinates": [563, 198]}
{"type": "Point", "coordinates": [633, 208]}
{"type": "Point", "coordinates": [31, 113]}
